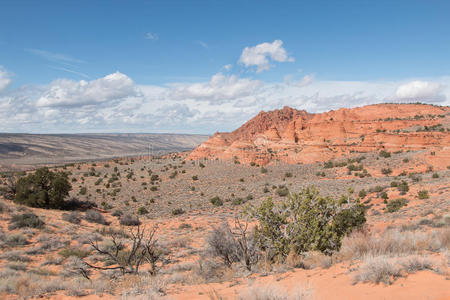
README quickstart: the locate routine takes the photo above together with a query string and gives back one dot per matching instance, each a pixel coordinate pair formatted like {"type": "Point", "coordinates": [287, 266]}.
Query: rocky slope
{"type": "Point", "coordinates": [294, 136]}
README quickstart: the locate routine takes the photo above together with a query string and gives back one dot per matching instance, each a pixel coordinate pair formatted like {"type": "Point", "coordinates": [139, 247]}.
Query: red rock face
{"type": "Point", "coordinates": [294, 136]}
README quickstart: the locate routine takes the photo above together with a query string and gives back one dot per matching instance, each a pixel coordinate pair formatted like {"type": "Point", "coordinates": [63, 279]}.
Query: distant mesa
{"type": "Point", "coordinates": [296, 136]}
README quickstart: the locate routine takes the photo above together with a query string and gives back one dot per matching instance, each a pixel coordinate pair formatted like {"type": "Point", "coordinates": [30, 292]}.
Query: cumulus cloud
{"type": "Point", "coordinates": [420, 90]}
{"type": "Point", "coordinates": [219, 89]}
{"type": "Point", "coordinates": [259, 55]}
{"type": "Point", "coordinates": [114, 103]}
{"type": "Point", "coordinates": [5, 79]}
{"type": "Point", "coordinates": [64, 92]}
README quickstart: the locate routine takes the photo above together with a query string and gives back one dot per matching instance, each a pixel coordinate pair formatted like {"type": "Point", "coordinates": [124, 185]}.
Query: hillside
{"type": "Point", "coordinates": [20, 151]}
{"type": "Point", "coordinates": [294, 136]}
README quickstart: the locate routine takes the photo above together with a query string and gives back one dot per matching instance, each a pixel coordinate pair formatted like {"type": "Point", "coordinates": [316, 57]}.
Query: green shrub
{"type": "Point", "coordinates": [282, 191]}
{"type": "Point", "coordinates": [435, 175]}
{"type": "Point", "coordinates": [386, 171]}
{"type": "Point", "coordinates": [362, 194]}
{"type": "Point", "coordinates": [142, 211]}
{"type": "Point", "coordinates": [83, 191]}
{"type": "Point", "coordinates": [29, 220]}
{"type": "Point", "coordinates": [43, 188]}
{"type": "Point", "coordinates": [177, 211]}
{"type": "Point", "coordinates": [352, 167]}
{"type": "Point", "coordinates": [304, 221]}
{"type": "Point", "coordinates": [195, 177]}
{"type": "Point", "coordinates": [403, 187]}
{"type": "Point", "coordinates": [263, 170]}
{"type": "Point", "coordinates": [216, 201]}
{"type": "Point", "coordinates": [288, 174]}
{"type": "Point", "coordinates": [385, 154]}
{"type": "Point", "coordinates": [395, 205]}
{"type": "Point", "coordinates": [328, 164]}
{"type": "Point", "coordinates": [238, 201]}
{"type": "Point", "coordinates": [423, 194]}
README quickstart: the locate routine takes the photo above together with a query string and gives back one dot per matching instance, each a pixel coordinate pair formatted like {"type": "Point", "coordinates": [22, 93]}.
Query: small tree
{"type": "Point", "coordinates": [233, 245]}
{"type": "Point", "coordinates": [129, 257]}
{"type": "Point", "coordinates": [305, 222]}
{"type": "Point", "coordinates": [44, 189]}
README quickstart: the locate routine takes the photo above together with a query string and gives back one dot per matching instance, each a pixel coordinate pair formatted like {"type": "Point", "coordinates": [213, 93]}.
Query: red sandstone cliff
{"type": "Point", "coordinates": [294, 136]}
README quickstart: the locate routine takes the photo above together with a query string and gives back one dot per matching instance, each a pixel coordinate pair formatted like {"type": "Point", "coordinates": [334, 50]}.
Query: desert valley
{"type": "Point", "coordinates": [368, 188]}
{"type": "Point", "coordinates": [224, 150]}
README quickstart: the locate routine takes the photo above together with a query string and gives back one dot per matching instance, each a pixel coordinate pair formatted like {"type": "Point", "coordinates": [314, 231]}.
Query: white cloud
{"type": "Point", "coordinates": [64, 92]}
{"type": "Point", "coordinates": [151, 36]}
{"type": "Point", "coordinates": [114, 103]}
{"type": "Point", "coordinates": [219, 89]}
{"type": "Point", "coordinates": [258, 56]}
{"type": "Point", "coordinates": [5, 79]}
{"type": "Point", "coordinates": [304, 81]}
{"type": "Point", "coordinates": [420, 90]}
{"type": "Point", "coordinates": [228, 67]}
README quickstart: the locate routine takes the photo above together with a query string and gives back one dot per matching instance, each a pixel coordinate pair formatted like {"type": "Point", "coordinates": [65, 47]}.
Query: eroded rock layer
{"type": "Point", "coordinates": [295, 136]}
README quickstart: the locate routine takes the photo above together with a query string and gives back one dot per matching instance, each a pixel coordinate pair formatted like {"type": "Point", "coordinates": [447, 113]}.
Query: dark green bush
{"type": "Point", "coordinates": [142, 211]}
{"type": "Point", "coordinates": [304, 221]}
{"type": "Point", "coordinates": [44, 189]}
{"type": "Point", "coordinates": [403, 187]}
{"type": "Point", "coordinates": [216, 201]}
{"type": "Point", "coordinates": [282, 191]}
{"type": "Point", "coordinates": [177, 211]}
{"type": "Point", "coordinates": [423, 194]}
{"type": "Point", "coordinates": [83, 191]}
{"type": "Point", "coordinates": [386, 171]}
{"type": "Point", "coordinates": [362, 194]}
{"type": "Point", "coordinates": [385, 154]}
{"type": "Point", "coordinates": [395, 205]}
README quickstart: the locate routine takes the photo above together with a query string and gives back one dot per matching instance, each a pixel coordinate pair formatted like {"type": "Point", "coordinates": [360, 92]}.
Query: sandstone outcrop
{"type": "Point", "coordinates": [296, 136]}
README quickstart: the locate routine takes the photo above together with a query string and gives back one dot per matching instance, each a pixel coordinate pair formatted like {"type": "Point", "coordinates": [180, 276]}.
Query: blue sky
{"type": "Point", "coordinates": [181, 66]}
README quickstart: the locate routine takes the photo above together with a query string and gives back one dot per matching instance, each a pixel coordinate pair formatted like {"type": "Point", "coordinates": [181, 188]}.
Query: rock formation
{"type": "Point", "coordinates": [296, 136]}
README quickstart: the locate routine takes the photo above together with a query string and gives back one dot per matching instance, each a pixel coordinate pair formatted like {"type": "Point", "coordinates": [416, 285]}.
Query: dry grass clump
{"type": "Point", "coordinates": [274, 292]}
{"type": "Point", "coordinates": [142, 287]}
{"type": "Point", "coordinates": [386, 269]}
{"type": "Point", "coordinates": [72, 217]}
{"type": "Point", "coordinates": [94, 216]}
{"type": "Point", "coordinates": [27, 285]}
{"type": "Point", "coordinates": [15, 255]}
{"type": "Point", "coordinates": [309, 260]}
{"type": "Point", "coordinates": [393, 242]}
